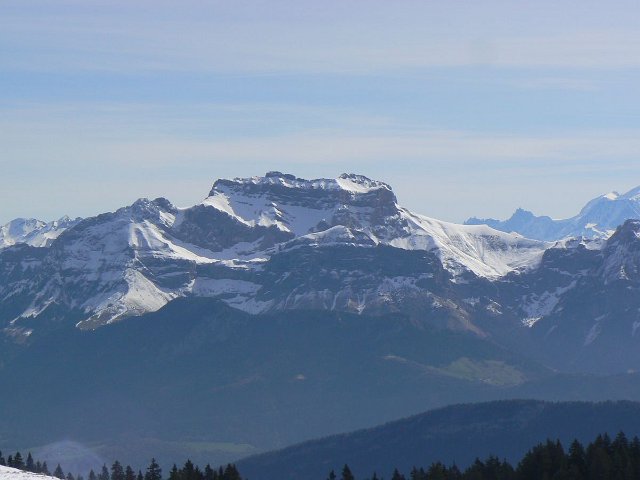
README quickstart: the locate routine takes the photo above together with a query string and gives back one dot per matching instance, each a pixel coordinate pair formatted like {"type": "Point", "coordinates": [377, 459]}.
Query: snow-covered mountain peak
{"type": "Point", "coordinates": [355, 183]}
{"type": "Point", "coordinates": [142, 209]}
{"type": "Point", "coordinates": [603, 201]}
{"type": "Point", "coordinates": [300, 206]}
{"type": "Point", "coordinates": [626, 233]}
{"type": "Point", "coordinates": [633, 194]}
{"type": "Point", "coordinates": [23, 226]}
{"type": "Point", "coordinates": [521, 213]}
{"type": "Point", "coordinates": [622, 253]}
{"type": "Point", "coordinates": [33, 232]}
{"type": "Point", "coordinates": [368, 212]}
{"type": "Point", "coordinates": [348, 182]}
{"type": "Point", "coordinates": [597, 219]}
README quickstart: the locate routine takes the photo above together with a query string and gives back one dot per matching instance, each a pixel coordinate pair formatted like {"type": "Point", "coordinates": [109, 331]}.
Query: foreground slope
{"type": "Point", "coordinates": [457, 434]}
{"type": "Point", "coordinates": [8, 473]}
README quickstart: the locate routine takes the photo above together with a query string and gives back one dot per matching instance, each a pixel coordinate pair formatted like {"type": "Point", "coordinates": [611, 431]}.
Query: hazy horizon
{"type": "Point", "coordinates": [577, 200]}
{"type": "Point", "coordinates": [465, 110]}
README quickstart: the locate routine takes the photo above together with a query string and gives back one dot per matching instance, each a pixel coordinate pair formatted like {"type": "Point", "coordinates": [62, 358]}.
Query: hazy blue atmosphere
{"type": "Point", "coordinates": [465, 108]}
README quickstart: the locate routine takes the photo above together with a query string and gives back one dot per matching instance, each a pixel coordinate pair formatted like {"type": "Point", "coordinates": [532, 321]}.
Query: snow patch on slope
{"type": "Point", "coordinates": [481, 249]}
{"type": "Point", "coordinates": [593, 333]}
{"type": "Point", "coordinates": [538, 306]}
{"type": "Point", "coordinates": [141, 296]}
{"type": "Point", "coordinates": [8, 473]}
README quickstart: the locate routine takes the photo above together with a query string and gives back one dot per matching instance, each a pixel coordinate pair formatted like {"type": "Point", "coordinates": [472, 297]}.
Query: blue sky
{"type": "Point", "coordinates": [465, 108]}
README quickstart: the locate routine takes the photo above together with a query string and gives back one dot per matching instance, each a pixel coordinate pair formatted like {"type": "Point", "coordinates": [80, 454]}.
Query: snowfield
{"type": "Point", "coordinates": [7, 473]}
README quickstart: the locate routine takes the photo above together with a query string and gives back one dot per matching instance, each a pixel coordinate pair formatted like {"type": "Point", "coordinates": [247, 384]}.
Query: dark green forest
{"type": "Point", "coordinates": [602, 459]}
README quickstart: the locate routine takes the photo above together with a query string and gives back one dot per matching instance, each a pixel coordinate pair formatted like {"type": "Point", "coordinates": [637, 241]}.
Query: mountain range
{"type": "Point", "coordinates": [281, 243]}
{"type": "Point", "coordinates": [599, 218]}
{"type": "Point", "coordinates": [280, 309]}
{"type": "Point", "coordinates": [232, 245]}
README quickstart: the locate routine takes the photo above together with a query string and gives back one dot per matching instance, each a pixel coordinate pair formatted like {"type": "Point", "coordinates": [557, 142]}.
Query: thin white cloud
{"type": "Point", "coordinates": [486, 175]}
{"type": "Point", "coordinates": [354, 39]}
{"type": "Point", "coordinates": [558, 83]}
{"type": "Point", "coordinates": [102, 154]}
{"type": "Point", "coordinates": [122, 135]}
{"type": "Point", "coordinates": [161, 135]}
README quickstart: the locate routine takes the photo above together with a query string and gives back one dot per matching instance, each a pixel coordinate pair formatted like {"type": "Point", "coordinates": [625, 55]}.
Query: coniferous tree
{"type": "Point", "coordinates": [58, 473]}
{"type": "Point", "coordinates": [346, 473]}
{"type": "Point", "coordinates": [79, 477]}
{"type": "Point", "coordinates": [140, 476]}
{"type": "Point", "coordinates": [437, 471]}
{"type": "Point", "coordinates": [634, 454]}
{"type": "Point", "coordinates": [117, 471]}
{"type": "Point", "coordinates": [542, 460]}
{"type": "Point", "coordinates": [454, 473]}
{"type": "Point", "coordinates": [197, 474]}
{"type": "Point", "coordinates": [154, 472]}
{"type": "Point", "coordinates": [38, 467]}
{"type": "Point", "coordinates": [92, 475]}
{"type": "Point", "coordinates": [174, 473]}
{"type": "Point", "coordinates": [209, 473]}
{"type": "Point", "coordinates": [104, 473]}
{"type": "Point", "coordinates": [397, 475]}
{"type": "Point", "coordinates": [620, 461]}
{"type": "Point", "coordinates": [10, 461]}
{"type": "Point", "coordinates": [18, 462]}
{"type": "Point", "coordinates": [129, 474]}
{"type": "Point", "coordinates": [598, 459]}
{"type": "Point", "coordinates": [29, 465]}
{"type": "Point", "coordinates": [45, 468]}
{"type": "Point", "coordinates": [70, 476]}
{"type": "Point", "coordinates": [231, 473]}
{"type": "Point", "coordinates": [576, 462]}
{"type": "Point", "coordinates": [2, 460]}
{"type": "Point", "coordinates": [188, 471]}
{"type": "Point", "coordinates": [332, 475]}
